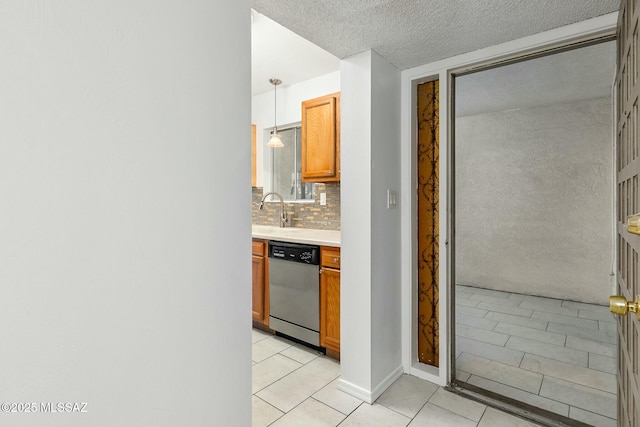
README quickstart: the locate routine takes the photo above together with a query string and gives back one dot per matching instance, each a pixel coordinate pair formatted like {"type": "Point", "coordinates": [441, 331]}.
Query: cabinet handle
{"type": "Point", "coordinates": [321, 271]}
{"type": "Point", "coordinates": [336, 259]}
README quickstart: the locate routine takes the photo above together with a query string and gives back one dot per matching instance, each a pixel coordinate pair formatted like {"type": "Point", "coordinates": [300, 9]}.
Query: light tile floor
{"type": "Point", "coordinates": [295, 386]}
{"type": "Point", "coordinates": [555, 354]}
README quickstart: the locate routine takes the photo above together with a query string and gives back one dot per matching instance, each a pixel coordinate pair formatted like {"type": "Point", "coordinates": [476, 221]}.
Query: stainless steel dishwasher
{"type": "Point", "coordinates": [294, 294]}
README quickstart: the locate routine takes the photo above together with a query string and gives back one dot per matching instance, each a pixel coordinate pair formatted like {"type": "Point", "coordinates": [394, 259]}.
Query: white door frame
{"type": "Point", "coordinates": [602, 26]}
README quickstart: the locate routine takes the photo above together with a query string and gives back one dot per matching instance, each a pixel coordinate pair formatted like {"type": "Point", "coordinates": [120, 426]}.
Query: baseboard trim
{"type": "Point", "coordinates": [367, 395]}
{"type": "Point", "coordinates": [354, 390]}
{"type": "Point", "coordinates": [386, 383]}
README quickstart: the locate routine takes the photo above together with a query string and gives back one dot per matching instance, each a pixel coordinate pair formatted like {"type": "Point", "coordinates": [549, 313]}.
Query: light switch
{"type": "Point", "coordinates": [323, 199]}
{"type": "Point", "coordinates": [392, 199]}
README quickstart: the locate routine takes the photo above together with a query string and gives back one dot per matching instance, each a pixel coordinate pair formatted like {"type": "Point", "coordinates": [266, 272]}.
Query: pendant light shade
{"type": "Point", "coordinates": [275, 141]}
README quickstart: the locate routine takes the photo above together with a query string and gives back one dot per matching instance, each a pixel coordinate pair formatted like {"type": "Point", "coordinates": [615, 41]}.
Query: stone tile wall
{"type": "Point", "coordinates": [304, 215]}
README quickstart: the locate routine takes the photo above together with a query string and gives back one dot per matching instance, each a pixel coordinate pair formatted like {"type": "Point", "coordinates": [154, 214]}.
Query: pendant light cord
{"type": "Point", "coordinates": [275, 108]}
{"type": "Point", "coordinates": [275, 141]}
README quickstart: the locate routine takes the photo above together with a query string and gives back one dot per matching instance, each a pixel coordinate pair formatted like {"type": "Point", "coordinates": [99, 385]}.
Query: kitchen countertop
{"type": "Point", "coordinates": [309, 236]}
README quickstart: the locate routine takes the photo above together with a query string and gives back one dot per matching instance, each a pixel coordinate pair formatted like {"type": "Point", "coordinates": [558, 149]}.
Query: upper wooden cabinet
{"type": "Point", "coordinates": [321, 139]}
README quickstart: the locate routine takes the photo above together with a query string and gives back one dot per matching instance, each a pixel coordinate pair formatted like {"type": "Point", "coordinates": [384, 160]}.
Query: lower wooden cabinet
{"type": "Point", "coordinates": [260, 284]}
{"type": "Point", "coordinates": [330, 300]}
{"type": "Point", "coordinates": [329, 294]}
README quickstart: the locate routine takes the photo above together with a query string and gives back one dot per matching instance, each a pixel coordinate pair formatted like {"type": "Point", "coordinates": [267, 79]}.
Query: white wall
{"type": "Point", "coordinates": [385, 223]}
{"type": "Point", "coordinates": [356, 235]}
{"type": "Point", "coordinates": [289, 110]}
{"type": "Point", "coordinates": [115, 198]}
{"type": "Point", "coordinates": [534, 200]}
{"type": "Point", "coordinates": [370, 274]}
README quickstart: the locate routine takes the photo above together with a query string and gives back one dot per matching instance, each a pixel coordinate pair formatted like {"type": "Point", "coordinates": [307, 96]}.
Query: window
{"type": "Point", "coordinates": [286, 167]}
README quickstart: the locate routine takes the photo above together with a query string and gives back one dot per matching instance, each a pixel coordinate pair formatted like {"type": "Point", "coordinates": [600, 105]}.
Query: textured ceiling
{"type": "Point", "coordinates": [580, 74]}
{"type": "Point", "coordinates": [414, 32]}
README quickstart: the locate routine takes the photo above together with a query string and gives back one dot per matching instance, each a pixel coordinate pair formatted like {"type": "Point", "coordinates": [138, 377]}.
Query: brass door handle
{"type": "Point", "coordinates": [619, 305]}
{"type": "Point", "coordinates": [633, 223]}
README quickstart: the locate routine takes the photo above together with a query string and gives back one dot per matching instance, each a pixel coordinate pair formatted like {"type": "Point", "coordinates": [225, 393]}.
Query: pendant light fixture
{"type": "Point", "coordinates": [275, 141]}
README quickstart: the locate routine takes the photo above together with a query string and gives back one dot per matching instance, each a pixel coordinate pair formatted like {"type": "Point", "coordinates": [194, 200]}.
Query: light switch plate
{"type": "Point", "coordinates": [323, 199]}
{"type": "Point", "coordinates": [392, 199]}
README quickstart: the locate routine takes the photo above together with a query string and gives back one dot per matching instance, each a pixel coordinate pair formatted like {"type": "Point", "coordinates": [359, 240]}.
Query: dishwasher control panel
{"type": "Point", "coordinates": [295, 252]}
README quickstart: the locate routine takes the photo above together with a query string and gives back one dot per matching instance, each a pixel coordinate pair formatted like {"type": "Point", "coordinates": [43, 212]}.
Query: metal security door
{"type": "Point", "coordinates": [628, 243]}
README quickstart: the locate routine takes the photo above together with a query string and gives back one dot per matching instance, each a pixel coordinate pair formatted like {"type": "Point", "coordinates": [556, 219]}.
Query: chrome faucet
{"type": "Point", "coordinates": [283, 214]}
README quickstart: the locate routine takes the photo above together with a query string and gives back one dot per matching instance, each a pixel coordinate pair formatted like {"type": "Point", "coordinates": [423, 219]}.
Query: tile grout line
{"type": "Point", "coordinates": [483, 413]}
{"type": "Point", "coordinates": [309, 397]}
{"type": "Point", "coordinates": [276, 354]}
{"type": "Point", "coordinates": [291, 358]}
{"type": "Point", "coordinates": [399, 413]}
{"type": "Point", "coordinates": [350, 413]}
{"type": "Point", "coordinates": [283, 413]}
{"type": "Point", "coordinates": [301, 366]}
{"type": "Point", "coordinates": [541, 382]}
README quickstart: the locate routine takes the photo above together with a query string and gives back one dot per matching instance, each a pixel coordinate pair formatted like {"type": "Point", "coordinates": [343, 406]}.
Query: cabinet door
{"type": "Point", "coordinates": [330, 309]}
{"type": "Point", "coordinates": [321, 139]}
{"type": "Point", "coordinates": [257, 264]}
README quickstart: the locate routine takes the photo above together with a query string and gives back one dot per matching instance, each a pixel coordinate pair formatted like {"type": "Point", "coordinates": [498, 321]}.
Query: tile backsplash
{"type": "Point", "coordinates": [303, 214]}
